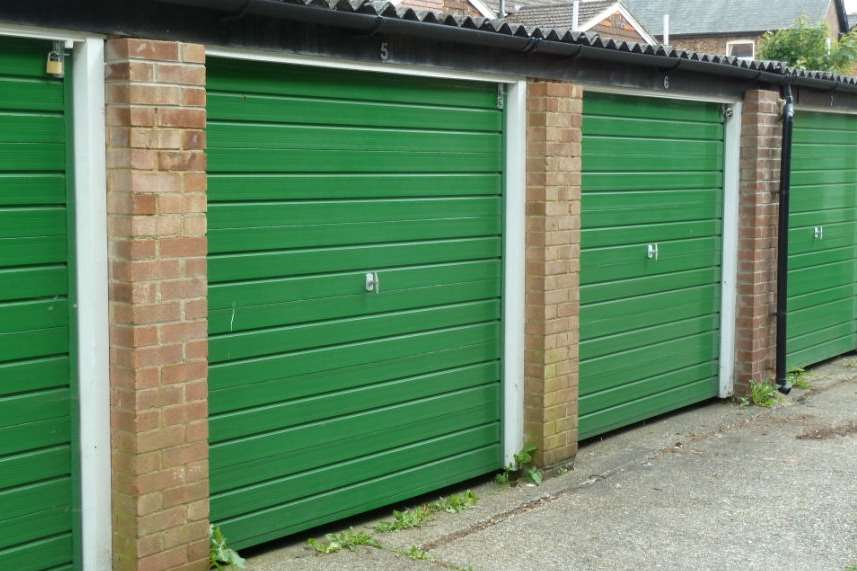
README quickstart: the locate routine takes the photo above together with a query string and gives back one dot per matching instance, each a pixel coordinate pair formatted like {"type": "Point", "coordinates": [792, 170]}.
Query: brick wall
{"type": "Point", "coordinates": [761, 139]}
{"type": "Point", "coordinates": [553, 266]}
{"type": "Point", "coordinates": [158, 326]}
{"type": "Point", "coordinates": [712, 44]}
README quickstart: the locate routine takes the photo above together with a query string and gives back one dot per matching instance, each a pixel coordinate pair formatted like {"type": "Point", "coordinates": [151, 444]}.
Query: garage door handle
{"type": "Point", "coordinates": [373, 282]}
{"type": "Point", "coordinates": [652, 252]}
{"type": "Point", "coordinates": [818, 232]}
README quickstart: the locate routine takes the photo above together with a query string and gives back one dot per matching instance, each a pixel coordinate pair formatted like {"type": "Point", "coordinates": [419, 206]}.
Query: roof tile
{"type": "Point", "coordinates": [725, 16]}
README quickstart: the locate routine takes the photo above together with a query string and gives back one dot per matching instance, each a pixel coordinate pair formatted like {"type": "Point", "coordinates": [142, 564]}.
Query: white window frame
{"type": "Point", "coordinates": [90, 197]}
{"type": "Point", "coordinates": [731, 202]}
{"type": "Point", "coordinates": [731, 43]}
{"type": "Point", "coordinates": [515, 203]}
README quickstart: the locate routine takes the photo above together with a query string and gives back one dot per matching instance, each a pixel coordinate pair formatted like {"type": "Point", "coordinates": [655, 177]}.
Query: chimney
{"type": "Point", "coordinates": [575, 15]}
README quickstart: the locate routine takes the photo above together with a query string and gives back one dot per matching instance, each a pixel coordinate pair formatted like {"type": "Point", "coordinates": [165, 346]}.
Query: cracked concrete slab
{"type": "Point", "coordinates": [717, 486]}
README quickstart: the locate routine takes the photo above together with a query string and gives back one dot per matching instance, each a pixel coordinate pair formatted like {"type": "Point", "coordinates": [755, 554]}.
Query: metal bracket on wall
{"type": "Point", "coordinates": [501, 96]}
{"type": "Point", "coordinates": [728, 111]}
{"type": "Point", "coordinates": [373, 282]}
{"type": "Point", "coordinates": [652, 252]}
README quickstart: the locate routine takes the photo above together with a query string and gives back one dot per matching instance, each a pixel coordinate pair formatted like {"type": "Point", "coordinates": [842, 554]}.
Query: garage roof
{"type": "Point", "coordinates": [384, 17]}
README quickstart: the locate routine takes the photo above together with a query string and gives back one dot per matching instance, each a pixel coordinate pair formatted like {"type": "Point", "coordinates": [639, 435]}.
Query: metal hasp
{"type": "Point", "coordinates": [818, 232]}
{"type": "Point", "coordinates": [373, 282]}
{"type": "Point", "coordinates": [783, 241]}
{"type": "Point", "coordinates": [652, 252]}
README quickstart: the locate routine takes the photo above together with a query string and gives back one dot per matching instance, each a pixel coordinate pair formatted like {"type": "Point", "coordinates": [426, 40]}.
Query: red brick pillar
{"type": "Point", "coordinates": [553, 267]}
{"type": "Point", "coordinates": [158, 306]}
{"type": "Point", "coordinates": [761, 142]}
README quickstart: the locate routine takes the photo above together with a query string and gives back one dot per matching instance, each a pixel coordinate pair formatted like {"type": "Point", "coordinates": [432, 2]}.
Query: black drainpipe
{"type": "Point", "coordinates": [783, 241]}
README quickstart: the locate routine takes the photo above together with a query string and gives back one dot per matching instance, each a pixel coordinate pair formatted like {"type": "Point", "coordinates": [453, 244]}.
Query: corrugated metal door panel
{"type": "Point", "coordinates": [326, 400]}
{"type": "Point", "coordinates": [822, 291]}
{"type": "Point", "coordinates": [36, 521]}
{"type": "Point", "coordinates": [650, 327]}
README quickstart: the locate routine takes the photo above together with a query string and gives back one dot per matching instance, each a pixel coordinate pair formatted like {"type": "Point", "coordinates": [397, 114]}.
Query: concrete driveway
{"type": "Point", "coordinates": [719, 486]}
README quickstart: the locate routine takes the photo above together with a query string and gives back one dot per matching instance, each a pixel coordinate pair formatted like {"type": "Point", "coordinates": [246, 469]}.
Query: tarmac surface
{"type": "Point", "coordinates": [717, 486]}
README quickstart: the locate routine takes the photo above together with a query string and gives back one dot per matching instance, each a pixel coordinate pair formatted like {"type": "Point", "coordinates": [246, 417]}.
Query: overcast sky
{"type": "Point", "coordinates": [851, 5]}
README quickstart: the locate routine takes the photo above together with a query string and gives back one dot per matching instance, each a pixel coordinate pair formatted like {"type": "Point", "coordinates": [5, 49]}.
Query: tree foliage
{"type": "Point", "coordinates": [806, 46]}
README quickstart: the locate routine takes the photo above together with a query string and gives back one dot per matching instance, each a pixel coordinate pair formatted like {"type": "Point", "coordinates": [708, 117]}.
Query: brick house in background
{"type": "Point", "coordinates": [458, 7]}
{"type": "Point", "coordinates": [607, 18]}
{"type": "Point", "coordinates": [734, 27]}
{"type": "Point", "coordinates": [610, 19]}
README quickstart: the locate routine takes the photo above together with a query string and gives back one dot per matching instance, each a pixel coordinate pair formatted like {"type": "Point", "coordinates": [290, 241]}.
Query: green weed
{"type": "Point", "coordinates": [455, 503]}
{"type": "Point", "coordinates": [798, 379]}
{"type": "Point", "coordinates": [220, 555]}
{"type": "Point", "coordinates": [406, 519]}
{"type": "Point", "coordinates": [522, 467]}
{"type": "Point", "coordinates": [348, 540]}
{"type": "Point", "coordinates": [418, 516]}
{"type": "Point", "coordinates": [764, 394]}
{"type": "Point", "coordinates": [414, 552]}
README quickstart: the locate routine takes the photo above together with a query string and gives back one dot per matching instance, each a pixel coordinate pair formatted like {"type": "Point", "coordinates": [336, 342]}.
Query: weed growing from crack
{"type": "Point", "coordinates": [764, 394]}
{"type": "Point", "coordinates": [405, 519]}
{"type": "Point", "coordinates": [220, 555]}
{"type": "Point", "coordinates": [455, 503]}
{"type": "Point", "coordinates": [414, 552]}
{"type": "Point", "coordinates": [522, 467]}
{"type": "Point", "coordinates": [418, 516]}
{"type": "Point", "coordinates": [348, 540]}
{"type": "Point", "coordinates": [798, 379]}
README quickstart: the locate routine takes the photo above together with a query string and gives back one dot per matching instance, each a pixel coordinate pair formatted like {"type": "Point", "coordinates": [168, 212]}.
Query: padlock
{"type": "Point", "coordinates": [55, 65]}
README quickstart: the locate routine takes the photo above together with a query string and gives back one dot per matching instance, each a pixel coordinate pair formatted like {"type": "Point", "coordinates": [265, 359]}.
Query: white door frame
{"type": "Point", "coordinates": [731, 201]}
{"type": "Point", "coordinates": [90, 200]}
{"type": "Point", "coordinates": [515, 201]}
{"type": "Point", "coordinates": [92, 300]}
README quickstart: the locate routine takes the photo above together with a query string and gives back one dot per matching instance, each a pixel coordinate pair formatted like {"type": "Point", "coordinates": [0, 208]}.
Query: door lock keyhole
{"type": "Point", "coordinates": [373, 282]}
{"type": "Point", "coordinates": [652, 252]}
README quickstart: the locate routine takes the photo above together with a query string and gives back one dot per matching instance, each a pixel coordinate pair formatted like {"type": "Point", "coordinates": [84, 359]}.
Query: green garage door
{"type": "Point", "coordinates": [650, 261]}
{"type": "Point", "coordinates": [327, 399]}
{"type": "Point", "coordinates": [36, 516]}
{"type": "Point", "coordinates": [822, 319]}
